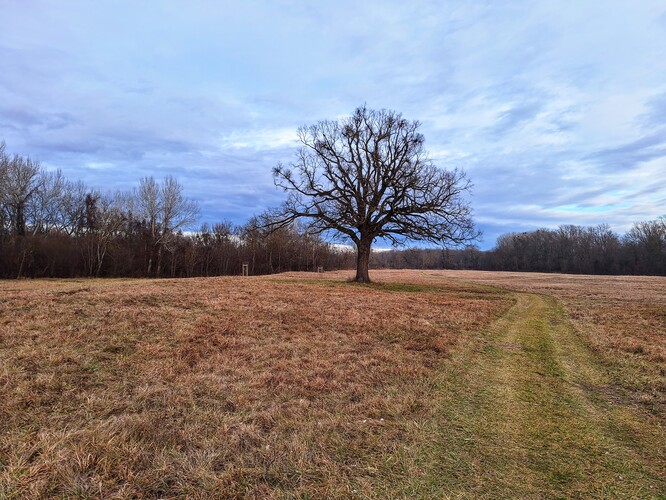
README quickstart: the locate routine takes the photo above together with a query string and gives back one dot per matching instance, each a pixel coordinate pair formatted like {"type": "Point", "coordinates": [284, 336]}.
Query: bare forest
{"type": "Point", "coordinates": [51, 226]}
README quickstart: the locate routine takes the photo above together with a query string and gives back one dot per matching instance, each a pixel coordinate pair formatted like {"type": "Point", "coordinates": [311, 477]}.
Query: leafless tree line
{"type": "Point", "coordinates": [53, 227]}
{"type": "Point", "coordinates": [567, 249]}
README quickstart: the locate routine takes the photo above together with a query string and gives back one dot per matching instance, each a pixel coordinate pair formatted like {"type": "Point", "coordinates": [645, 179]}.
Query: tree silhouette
{"type": "Point", "coordinates": [367, 177]}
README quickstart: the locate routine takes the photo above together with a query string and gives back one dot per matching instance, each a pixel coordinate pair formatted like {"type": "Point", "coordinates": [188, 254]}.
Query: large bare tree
{"type": "Point", "coordinates": [367, 177]}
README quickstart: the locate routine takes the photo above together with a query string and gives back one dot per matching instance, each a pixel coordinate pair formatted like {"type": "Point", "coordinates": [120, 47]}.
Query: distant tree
{"type": "Point", "coordinates": [20, 180]}
{"type": "Point", "coordinates": [368, 176]}
{"type": "Point", "coordinates": [104, 219]}
{"type": "Point", "coordinates": [647, 242]}
{"type": "Point", "coordinates": [165, 211]}
{"type": "Point", "coordinates": [605, 248]}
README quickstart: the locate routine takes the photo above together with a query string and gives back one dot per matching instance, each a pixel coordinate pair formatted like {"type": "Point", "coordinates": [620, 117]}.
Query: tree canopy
{"type": "Point", "coordinates": [369, 176]}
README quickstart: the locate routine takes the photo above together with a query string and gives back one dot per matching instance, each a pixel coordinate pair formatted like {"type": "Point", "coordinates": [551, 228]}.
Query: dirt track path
{"type": "Point", "coordinates": [529, 413]}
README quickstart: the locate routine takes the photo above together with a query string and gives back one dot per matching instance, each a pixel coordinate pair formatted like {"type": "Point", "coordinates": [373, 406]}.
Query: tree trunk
{"type": "Point", "coordinates": [158, 271]}
{"type": "Point", "coordinates": [362, 260]}
{"type": "Point", "coordinates": [24, 252]}
{"type": "Point", "coordinates": [20, 219]}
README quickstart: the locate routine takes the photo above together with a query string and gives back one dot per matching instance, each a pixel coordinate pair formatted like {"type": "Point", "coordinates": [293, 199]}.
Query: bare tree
{"type": "Point", "coordinates": [165, 211]}
{"type": "Point", "coordinates": [368, 176]}
{"type": "Point", "coordinates": [4, 171]}
{"type": "Point", "coordinates": [647, 241]}
{"type": "Point", "coordinates": [73, 208]}
{"type": "Point", "coordinates": [44, 209]}
{"type": "Point", "coordinates": [104, 220]}
{"type": "Point", "coordinates": [19, 181]}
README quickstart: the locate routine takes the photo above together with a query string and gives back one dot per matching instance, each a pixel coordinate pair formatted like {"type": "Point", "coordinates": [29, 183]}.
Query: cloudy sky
{"type": "Point", "coordinates": [556, 110]}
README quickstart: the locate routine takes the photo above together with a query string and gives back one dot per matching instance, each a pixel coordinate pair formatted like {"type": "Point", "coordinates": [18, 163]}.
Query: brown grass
{"type": "Point", "coordinates": [222, 387]}
{"type": "Point", "coordinates": [306, 385]}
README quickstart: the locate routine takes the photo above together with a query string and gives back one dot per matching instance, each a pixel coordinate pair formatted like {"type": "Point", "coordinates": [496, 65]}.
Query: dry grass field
{"type": "Point", "coordinates": [424, 384]}
{"type": "Point", "coordinates": [227, 386]}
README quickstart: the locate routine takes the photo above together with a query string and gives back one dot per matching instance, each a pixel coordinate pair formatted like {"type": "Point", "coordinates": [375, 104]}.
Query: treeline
{"type": "Point", "coordinates": [568, 249]}
{"type": "Point", "coordinates": [53, 227]}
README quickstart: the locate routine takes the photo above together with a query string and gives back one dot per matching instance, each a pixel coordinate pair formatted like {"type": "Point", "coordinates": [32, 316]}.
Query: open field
{"type": "Point", "coordinates": [426, 384]}
{"type": "Point", "coordinates": [621, 318]}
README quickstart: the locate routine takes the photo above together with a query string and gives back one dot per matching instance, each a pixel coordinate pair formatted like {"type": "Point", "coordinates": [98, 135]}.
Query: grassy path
{"type": "Point", "coordinates": [528, 412]}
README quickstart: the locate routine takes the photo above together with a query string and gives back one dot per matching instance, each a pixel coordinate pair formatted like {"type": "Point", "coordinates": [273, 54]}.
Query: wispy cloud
{"type": "Point", "coordinates": [261, 139]}
{"type": "Point", "coordinates": [556, 110]}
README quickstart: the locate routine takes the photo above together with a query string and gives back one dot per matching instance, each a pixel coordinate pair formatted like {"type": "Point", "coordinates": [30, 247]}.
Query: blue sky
{"type": "Point", "coordinates": [556, 110]}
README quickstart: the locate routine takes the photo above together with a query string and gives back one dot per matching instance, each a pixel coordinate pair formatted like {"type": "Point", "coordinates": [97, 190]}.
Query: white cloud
{"type": "Point", "coordinates": [260, 139]}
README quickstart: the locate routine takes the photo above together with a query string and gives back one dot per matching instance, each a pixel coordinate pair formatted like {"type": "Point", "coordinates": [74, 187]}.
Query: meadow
{"type": "Point", "coordinates": [456, 384]}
